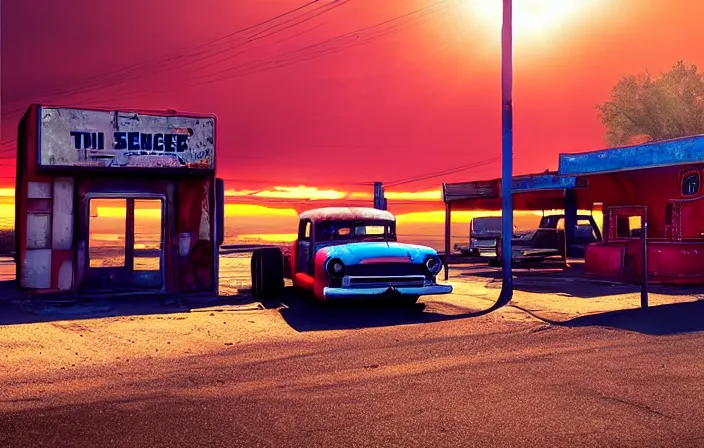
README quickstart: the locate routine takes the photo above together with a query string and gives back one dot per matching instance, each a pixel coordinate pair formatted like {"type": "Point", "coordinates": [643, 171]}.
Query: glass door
{"type": "Point", "coordinates": [147, 243]}
{"type": "Point", "coordinates": [125, 244]}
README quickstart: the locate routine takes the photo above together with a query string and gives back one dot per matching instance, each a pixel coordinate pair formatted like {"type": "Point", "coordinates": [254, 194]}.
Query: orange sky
{"type": "Point", "coordinates": [261, 222]}
{"type": "Point", "coordinates": [422, 96]}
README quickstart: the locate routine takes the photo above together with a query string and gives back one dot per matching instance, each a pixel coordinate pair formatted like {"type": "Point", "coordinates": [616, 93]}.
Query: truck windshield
{"type": "Point", "coordinates": [355, 230]}
{"type": "Point", "coordinates": [486, 225]}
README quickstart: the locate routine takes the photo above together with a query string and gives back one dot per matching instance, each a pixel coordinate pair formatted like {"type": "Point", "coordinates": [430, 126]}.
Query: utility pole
{"type": "Point", "coordinates": [379, 199]}
{"type": "Point", "coordinates": [507, 152]}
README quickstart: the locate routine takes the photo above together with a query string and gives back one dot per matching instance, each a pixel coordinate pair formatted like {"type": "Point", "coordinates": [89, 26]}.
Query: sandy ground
{"type": "Point", "coordinates": [38, 338]}
{"type": "Point", "coordinates": [567, 363]}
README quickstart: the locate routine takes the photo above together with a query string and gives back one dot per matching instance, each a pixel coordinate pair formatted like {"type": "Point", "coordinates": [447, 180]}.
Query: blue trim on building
{"type": "Point", "coordinates": [522, 184]}
{"type": "Point", "coordinates": [678, 151]}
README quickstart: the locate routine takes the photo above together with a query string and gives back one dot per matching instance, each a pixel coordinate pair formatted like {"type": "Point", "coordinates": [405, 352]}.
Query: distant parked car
{"type": "Point", "coordinates": [548, 240]}
{"type": "Point", "coordinates": [349, 253]}
{"type": "Point", "coordinates": [484, 234]}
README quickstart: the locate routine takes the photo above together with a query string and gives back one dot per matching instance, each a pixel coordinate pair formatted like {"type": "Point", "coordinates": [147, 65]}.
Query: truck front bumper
{"type": "Point", "coordinates": [384, 291]}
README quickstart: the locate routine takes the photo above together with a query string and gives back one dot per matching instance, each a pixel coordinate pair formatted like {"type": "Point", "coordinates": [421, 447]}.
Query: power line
{"type": "Point", "coordinates": [119, 72]}
{"type": "Point", "coordinates": [325, 8]}
{"type": "Point", "coordinates": [274, 182]}
{"type": "Point", "coordinates": [285, 59]}
{"type": "Point", "coordinates": [251, 27]}
{"type": "Point", "coordinates": [268, 31]}
{"type": "Point", "coordinates": [404, 181]}
{"type": "Point", "coordinates": [327, 47]}
{"type": "Point", "coordinates": [436, 174]}
{"type": "Point", "coordinates": [350, 37]}
{"type": "Point", "coordinates": [121, 75]}
{"type": "Point", "coordinates": [268, 200]}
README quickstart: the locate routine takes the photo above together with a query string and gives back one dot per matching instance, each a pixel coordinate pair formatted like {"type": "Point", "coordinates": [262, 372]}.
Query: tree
{"type": "Point", "coordinates": [645, 108]}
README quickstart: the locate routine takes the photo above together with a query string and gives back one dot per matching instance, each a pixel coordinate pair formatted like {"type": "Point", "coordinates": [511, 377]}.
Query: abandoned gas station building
{"type": "Point", "coordinates": [657, 183]}
{"type": "Point", "coordinates": [69, 159]}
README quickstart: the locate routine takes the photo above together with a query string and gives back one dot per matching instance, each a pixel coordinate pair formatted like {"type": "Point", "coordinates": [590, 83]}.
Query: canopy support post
{"type": "Point", "coordinates": [448, 239]}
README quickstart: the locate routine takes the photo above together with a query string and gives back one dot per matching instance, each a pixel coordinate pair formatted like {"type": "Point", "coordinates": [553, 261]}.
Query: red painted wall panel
{"type": "Point", "coordinates": [676, 262]}
{"type": "Point", "coordinates": [604, 259]}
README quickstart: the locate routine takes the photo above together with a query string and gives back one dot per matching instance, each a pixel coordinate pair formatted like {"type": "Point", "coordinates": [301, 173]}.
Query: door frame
{"type": "Point", "coordinates": [127, 196]}
{"type": "Point", "coordinates": [302, 226]}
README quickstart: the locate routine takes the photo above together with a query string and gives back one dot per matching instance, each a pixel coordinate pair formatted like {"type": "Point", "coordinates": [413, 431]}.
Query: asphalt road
{"type": "Point", "coordinates": [466, 382]}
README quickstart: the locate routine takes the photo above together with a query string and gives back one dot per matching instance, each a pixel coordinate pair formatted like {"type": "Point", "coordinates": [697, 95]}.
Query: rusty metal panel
{"type": "Point", "coordinates": [204, 228]}
{"type": "Point", "coordinates": [38, 190]}
{"type": "Point", "coordinates": [65, 276]}
{"type": "Point", "coordinates": [117, 139]}
{"type": "Point", "coordinates": [471, 190]}
{"type": "Point", "coordinates": [677, 151]}
{"type": "Point", "coordinates": [39, 205]}
{"type": "Point", "coordinates": [38, 230]}
{"type": "Point", "coordinates": [37, 269]}
{"type": "Point", "coordinates": [62, 226]}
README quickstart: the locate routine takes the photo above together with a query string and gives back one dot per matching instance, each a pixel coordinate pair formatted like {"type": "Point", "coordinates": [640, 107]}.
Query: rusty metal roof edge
{"type": "Point", "coordinates": [673, 152]}
{"type": "Point", "coordinates": [520, 184]}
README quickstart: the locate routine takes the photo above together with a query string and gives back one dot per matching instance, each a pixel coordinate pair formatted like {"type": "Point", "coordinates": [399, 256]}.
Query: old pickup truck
{"type": "Point", "coordinates": [484, 234]}
{"type": "Point", "coordinates": [349, 253]}
{"type": "Point", "coordinates": [548, 240]}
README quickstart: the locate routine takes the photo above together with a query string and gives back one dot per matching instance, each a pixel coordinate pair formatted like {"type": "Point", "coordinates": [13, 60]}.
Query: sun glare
{"type": "Point", "coordinates": [532, 19]}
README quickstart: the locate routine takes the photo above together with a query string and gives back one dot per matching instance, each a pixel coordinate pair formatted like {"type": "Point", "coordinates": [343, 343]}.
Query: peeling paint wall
{"type": "Point", "coordinates": [48, 233]}
{"type": "Point", "coordinates": [196, 270]}
{"type": "Point", "coordinates": [62, 228]}
{"type": "Point", "coordinates": [51, 226]}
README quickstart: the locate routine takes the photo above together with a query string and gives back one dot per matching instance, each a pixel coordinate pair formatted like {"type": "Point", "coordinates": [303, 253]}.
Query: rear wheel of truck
{"type": "Point", "coordinates": [267, 268]}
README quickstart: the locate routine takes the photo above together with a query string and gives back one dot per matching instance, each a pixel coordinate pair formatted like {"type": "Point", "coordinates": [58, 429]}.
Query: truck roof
{"type": "Point", "coordinates": [347, 214]}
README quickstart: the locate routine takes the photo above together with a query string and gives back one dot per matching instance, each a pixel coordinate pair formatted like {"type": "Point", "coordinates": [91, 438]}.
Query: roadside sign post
{"type": "Point", "coordinates": [644, 284]}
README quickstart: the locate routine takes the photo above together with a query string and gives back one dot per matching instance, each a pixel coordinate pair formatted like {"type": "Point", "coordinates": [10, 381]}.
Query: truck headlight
{"type": "Point", "coordinates": [433, 265]}
{"type": "Point", "coordinates": [334, 267]}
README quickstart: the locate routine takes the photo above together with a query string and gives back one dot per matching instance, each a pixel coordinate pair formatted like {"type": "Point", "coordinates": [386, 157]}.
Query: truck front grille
{"type": "Point", "coordinates": [386, 269]}
{"type": "Point", "coordinates": [383, 281]}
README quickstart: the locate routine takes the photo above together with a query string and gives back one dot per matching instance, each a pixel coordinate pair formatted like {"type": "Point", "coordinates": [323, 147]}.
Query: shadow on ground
{"type": "Point", "coordinates": [553, 278]}
{"type": "Point", "coordinates": [16, 309]}
{"type": "Point", "coordinates": [305, 314]}
{"type": "Point", "coordinates": [661, 320]}
{"type": "Point", "coordinates": [299, 311]}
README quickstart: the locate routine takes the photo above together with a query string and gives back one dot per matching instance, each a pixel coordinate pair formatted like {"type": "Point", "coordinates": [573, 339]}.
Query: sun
{"type": "Point", "coordinates": [532, 19]}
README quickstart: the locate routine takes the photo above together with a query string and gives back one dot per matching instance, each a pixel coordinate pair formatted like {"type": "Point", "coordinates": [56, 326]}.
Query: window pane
{"type": "Point", "coordinates": [147, 234]}
{"type": "Point", "coordinates": [106, 239]}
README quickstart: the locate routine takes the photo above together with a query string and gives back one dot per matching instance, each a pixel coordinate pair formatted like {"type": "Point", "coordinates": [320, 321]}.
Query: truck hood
{"type": "Point", "coordinates": [355, 253]}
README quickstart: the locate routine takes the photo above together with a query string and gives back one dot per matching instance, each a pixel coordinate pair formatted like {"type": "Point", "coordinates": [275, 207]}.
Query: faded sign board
{"type": "Point", "coordinates": [73, 138]}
